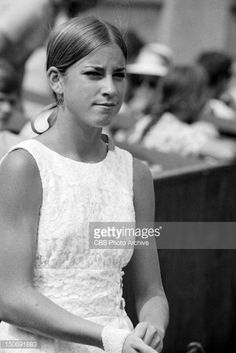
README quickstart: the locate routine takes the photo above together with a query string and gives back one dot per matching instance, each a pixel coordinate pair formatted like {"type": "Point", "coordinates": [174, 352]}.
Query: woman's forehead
{"type": "Point", "coordinates": [106, 55]}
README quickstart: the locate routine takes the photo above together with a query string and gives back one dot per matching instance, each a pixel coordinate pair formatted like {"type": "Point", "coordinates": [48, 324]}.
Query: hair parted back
{"type": "Point", "coordinates": [78, 37]}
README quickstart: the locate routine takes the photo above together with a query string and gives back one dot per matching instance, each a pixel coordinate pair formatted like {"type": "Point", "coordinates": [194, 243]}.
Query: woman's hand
{"type": "Point", "coordinates": [150, 335]}
{"type": "Point", "coordinates": [134, 344]}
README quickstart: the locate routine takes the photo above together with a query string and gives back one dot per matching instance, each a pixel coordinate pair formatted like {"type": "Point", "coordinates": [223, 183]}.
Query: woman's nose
{"type": "Point", "coordinates": [109, 87]}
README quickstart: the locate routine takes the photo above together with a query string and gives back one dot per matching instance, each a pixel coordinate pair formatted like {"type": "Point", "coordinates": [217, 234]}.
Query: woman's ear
{"type": "Point", "coordinates": [55, 80]}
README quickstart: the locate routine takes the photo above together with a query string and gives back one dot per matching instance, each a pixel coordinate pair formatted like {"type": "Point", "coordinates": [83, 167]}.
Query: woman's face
{"type": "Point", "coordinates": [94, 86]}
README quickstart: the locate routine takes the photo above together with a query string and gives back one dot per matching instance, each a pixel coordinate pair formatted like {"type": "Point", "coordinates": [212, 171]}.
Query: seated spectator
{"type": "Point", "coordinates": [143, 77]}
{"type": "Point", "coordinates": [9, 98]}
{"type": "Point", "coordinates": [229, 96]}
{"type": "Point", "coordinates": [153, 62]}
{"type": "Point", "coordinates": [173, 124]}
{"type": "Point", "coordinates": [219, 67]}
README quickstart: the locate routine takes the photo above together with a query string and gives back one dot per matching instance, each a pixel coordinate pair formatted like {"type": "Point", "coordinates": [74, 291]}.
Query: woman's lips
{"type": "Point", "coordinates": [106, 104]}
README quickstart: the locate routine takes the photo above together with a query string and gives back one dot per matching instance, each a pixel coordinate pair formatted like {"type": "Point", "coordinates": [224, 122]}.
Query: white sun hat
{"type": "Point", "coordinates": [154, 59]}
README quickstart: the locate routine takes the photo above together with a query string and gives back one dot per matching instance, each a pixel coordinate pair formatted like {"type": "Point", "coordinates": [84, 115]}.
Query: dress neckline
{"type": "Point", "coordinates": [73, 161]}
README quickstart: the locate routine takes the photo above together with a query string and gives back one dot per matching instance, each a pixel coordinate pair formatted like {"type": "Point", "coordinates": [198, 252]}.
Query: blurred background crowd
{"type": "Point", "coordinates": [180, 101]}
{"type": "Point", "coordinates": [181, 91]}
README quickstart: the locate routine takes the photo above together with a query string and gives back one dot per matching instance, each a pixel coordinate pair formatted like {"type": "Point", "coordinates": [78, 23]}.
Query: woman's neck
{"type": "Point", "coordinates": [72, 140]}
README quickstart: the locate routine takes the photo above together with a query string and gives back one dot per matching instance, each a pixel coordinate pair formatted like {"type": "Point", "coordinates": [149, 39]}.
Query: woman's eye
{"type": "Point", "coordinates": [120, 75]}
{"type": "Point", "coordinates": [93, 74]}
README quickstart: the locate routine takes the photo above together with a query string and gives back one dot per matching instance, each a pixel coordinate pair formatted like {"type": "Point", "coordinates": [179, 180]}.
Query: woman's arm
{"type": "Point", "coordinates": [151, 302]}
{"type": "Point", "coordinates": [20, 303]}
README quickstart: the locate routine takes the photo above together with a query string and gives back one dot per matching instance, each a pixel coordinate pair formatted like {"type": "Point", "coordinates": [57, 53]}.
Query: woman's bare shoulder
{"type": "Point", "coordinates": [19, 173]}
{"type": "Point", "coordinates": [142, 173]}
{"type": "Point", "coordinates": [18, 160]}
{"type": "Point", "coordinates": [143, 192]}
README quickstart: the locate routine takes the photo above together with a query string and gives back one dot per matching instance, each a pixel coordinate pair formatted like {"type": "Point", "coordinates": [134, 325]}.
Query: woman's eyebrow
{"type": "Point", "coordinates": [99, 67]}
{"type": "Point", "coordinates": [120, 68]}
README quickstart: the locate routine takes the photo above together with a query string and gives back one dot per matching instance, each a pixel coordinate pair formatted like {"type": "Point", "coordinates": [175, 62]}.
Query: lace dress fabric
{"type": "Point", "coordinates": [84, 281]}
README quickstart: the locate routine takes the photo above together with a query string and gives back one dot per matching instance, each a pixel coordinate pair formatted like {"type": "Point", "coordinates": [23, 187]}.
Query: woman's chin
{"type": "Point", "coordinates": [104, 121]}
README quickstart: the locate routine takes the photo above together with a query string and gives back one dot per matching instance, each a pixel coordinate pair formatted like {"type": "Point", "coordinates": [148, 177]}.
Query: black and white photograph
{"type": "Point", "coordinates": [117, 176]}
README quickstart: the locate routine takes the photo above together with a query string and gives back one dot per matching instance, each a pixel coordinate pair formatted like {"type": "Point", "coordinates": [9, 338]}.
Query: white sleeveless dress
{"type": "Point", "coordinates": [86, 282]}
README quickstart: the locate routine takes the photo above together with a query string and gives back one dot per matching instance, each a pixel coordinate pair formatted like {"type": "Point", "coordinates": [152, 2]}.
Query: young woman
{"type": "Point", "coordinates": [54, 289]}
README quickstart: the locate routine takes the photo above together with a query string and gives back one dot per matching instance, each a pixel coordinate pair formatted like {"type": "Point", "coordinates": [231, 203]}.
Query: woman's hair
{"type": "Point", "coordinates": [77, 38]}
{"type": "Point", "coordinates": [182, 93]}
